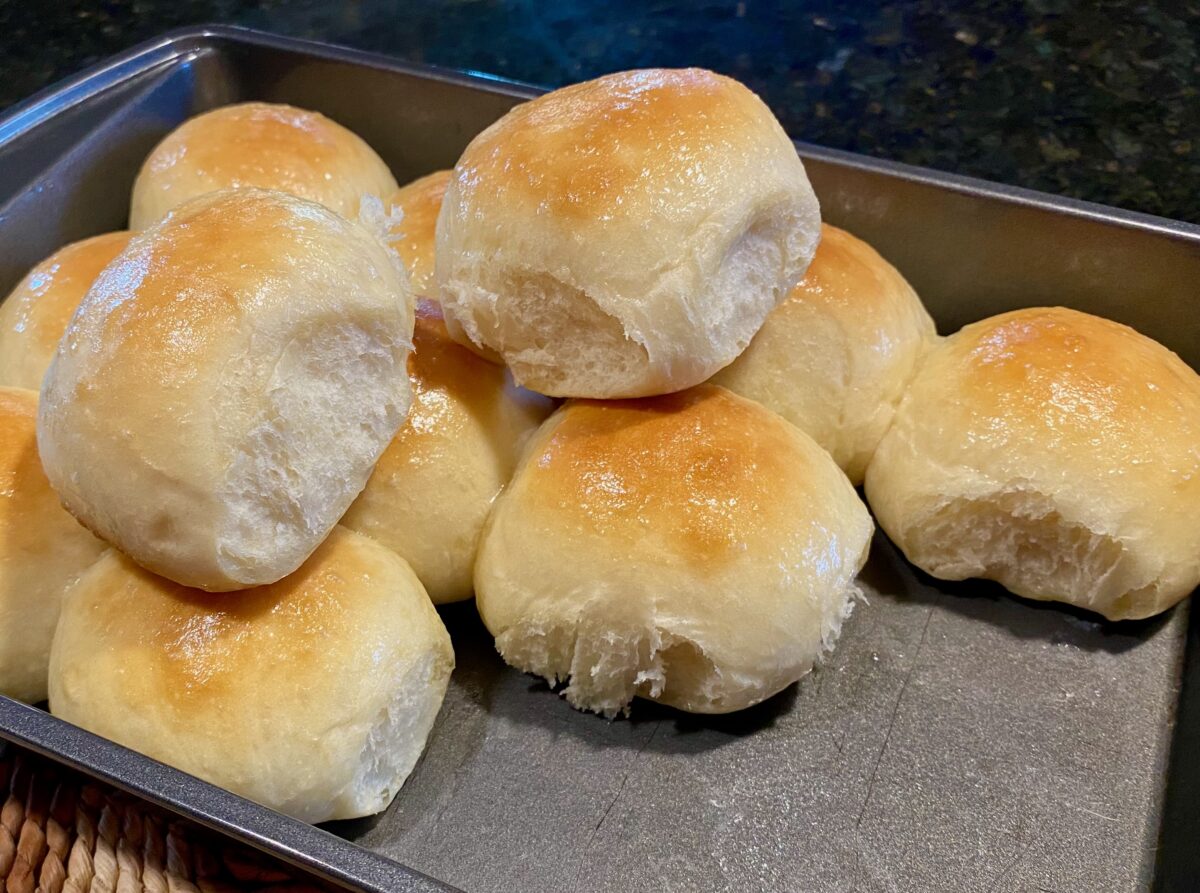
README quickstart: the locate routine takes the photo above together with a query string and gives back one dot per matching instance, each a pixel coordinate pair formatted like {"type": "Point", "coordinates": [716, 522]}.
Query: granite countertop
{"type": "Point", "coordinates": [1095, 100]}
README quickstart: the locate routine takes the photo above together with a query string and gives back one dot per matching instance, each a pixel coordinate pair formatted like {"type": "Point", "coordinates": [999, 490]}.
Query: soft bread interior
{"type": "Point", "coordinates": [558, 339]}
{"type": "Point", "coordinates": [293, 474]}
{"type": "Point", "coordinates": [605, 665]}
{"type": "Point", "coordinates": [397, 737]}
{"type": "Point", "coordinates": [535, 320]}
{"type": "Point", "coordinates": [1020, 539]}
{"type": "Point", "coordinates": [753, 272]}
{"type": "Point", "coordinates": [607, 661]}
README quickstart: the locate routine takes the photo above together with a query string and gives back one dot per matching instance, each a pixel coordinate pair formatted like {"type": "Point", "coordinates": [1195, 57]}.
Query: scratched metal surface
{"type": "Point", "coordinates": [957, 739]}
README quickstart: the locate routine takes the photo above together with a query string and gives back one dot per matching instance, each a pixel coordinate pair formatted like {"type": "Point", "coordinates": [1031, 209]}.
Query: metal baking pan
{"type": "Point", "coordinates": [958, 738]}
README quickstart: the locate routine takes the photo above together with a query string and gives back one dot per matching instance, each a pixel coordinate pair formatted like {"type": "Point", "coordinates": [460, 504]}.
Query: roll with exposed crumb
{"type": "Point", "coordinates": [1054, 452]}
{"type": "Point", "coordinates": [313, 696]}
{"type": "Point", "coordinates": [626, 236]}
{"type": "Point", "coordinates": [227, 385]}
{"type": "Point", "coordinates": [694, 549]}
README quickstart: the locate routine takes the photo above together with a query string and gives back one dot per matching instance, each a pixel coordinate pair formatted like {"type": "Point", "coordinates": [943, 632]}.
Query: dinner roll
{"type": "Point", "coordinates": [259, 144]}
{"type": "Point", "coordinates": [227, 385]}
{"type": "Point", "coordinates": [1054, 452]}
{"type": "Point", "coordinates": [834, 358]}
{"type": "Point", "coordinates": [626, 236]}
{"type": "Point", "coordinates": [435, 483]}
{"type": "Point", "coordinates": [36, 313]}
{"type": "Point", "coordinates": [694, 549]}
{"type": "Point", "coordinates": [313, 696]}
{"type": "Point", "coordinates": [42, 550]}
{"type": "Point", "coordinates": [413, 237]}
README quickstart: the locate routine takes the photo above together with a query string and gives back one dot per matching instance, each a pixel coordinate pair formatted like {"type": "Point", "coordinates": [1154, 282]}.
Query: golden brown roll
{"type": "Point", "coordinates": [626, 236]}
{"type": "Point", "coordinates": [694, 549]}
{"type": "Point", "coordinates": [42, 551]}
{"type": "Point", "coordinates": [262, 145]}
{"type": "Point", "coordinates": [36, 313]}
{"type": "Point", "coordinates": [414, 236]}
{"type": "Point", "coordinates": [435, 483]}
{"type": "Point", "coordinates": [313, 696]}
{"type": "Point", "coordinates": [226, 387]}
{"type": "Point", "coordinates": [835, 357]}
{"type": "Point", "coordinates": [1054, 452]}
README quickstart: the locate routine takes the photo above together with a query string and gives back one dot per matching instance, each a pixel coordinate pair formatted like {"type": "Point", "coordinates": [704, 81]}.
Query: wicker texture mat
{"type": "Point", "coordinates": [63, 833]}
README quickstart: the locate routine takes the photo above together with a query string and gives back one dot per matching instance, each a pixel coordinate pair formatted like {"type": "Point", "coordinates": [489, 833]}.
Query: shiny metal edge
{"type": "Point", "coordinates": [176, 45]}
{"type": "Point", "coordinates": [297, 843]}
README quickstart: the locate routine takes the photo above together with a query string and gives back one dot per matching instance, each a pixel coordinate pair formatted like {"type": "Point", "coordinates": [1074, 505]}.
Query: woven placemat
{"type": "Point", "coordinates": [61, 832]}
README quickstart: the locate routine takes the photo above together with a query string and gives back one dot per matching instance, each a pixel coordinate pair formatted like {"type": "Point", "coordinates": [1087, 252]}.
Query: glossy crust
{"type": "Point", "coordinates": [695, 549]}
{"type": "Point", "coordinates": [35, 315]}
{"type": "Point", "coordinates": [42, 551]}
{"type": "Point", "coordinates": [227, 385]}
{"type": "Point", "coordinates": [435, 483]}
{"type": "Point", "coordinates": [414, 236]}
{"type": "Point", "coordinates": [263, 145]}
{"type": "Point", "coordinates": [1054, 452]}
{"type": "Point", "coordinates": [835, 357]}
{"type": "Point", "coordinates": [625, 236]}
{"type": "Point", "coordinates": [313, 696]}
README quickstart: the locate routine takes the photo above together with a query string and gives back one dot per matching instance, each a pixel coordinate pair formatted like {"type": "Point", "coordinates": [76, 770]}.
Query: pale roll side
{"type": "Point", "coordinates": [42, 550]}
{"type": "Point", "coordinates": [434, 485]}
{"type": "Point", "coordinates": [414, 236]}
{"type": "Point", "coordinates": [834, 358]}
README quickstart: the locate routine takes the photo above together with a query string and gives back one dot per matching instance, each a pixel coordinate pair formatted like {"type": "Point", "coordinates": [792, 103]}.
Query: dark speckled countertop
{"type": "Point", "coordinates": [1096, 100]}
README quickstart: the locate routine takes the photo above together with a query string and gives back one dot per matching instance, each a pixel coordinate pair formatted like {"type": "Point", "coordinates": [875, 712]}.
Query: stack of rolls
{"type": "Point", "coordinates": [296, 406]}
{"type": "Point", "coordinates": [627, 238]}
{"type": "Point", "coordinates": [632, 236]}
{"type": "Point", "coordinates": [231, 373]}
